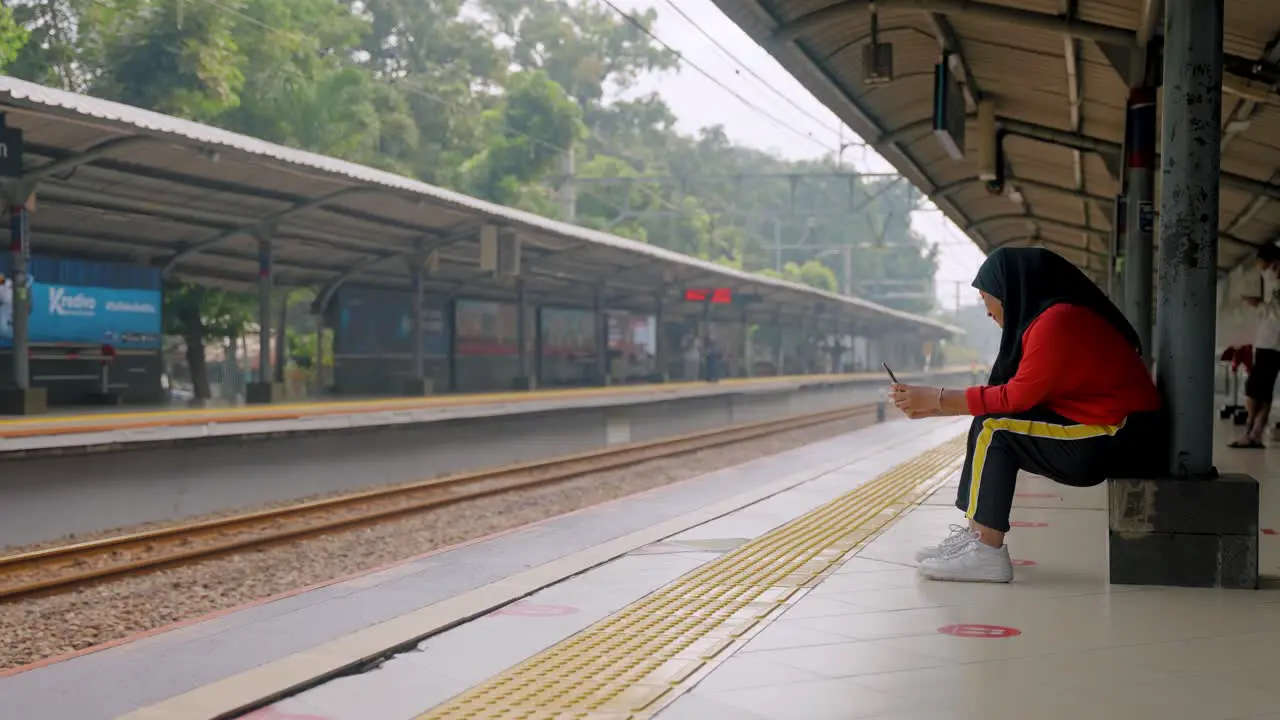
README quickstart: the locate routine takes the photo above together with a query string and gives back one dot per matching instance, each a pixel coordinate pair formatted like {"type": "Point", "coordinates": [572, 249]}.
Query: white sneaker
{"type": "Point", "coordinates": [959, 534]}
{"type": "Point", "coordinates": [970, 561]}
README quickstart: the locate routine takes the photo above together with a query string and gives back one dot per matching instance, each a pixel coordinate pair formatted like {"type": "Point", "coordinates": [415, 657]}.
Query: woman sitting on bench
{"type": "Point", "coordinates": [1069, 398]}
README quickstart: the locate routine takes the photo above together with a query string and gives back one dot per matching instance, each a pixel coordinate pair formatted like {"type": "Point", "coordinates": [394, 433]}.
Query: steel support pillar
{"type": "Point", "coordinates": [779, 349]}
{"type": "Point", "coordinates": [419, 323]}
{"type": "Point", "coordinates": [1189, 227]}
{"type": "Point", "coordinates": [525, 379]}
{"type": "Point", "coordinates": [21, 399]}
{"type": "Point", "coordinates": [602, 339]}
{"type": "Point", "coordinates": [317, 362]}
{"type": "Point", "coordinates": [1191, 527]}
{"type": "Point", "coordinates": [265, 389]}
{"type": "Point", "coordinates": [708, 372]}
{"type": "Point", "coordinates": [659, 339]}
{"type": "Point", "coordinates": [1116, 251]}
{"type": "Point", "coordinates": [416, 384]}
{"type": "Point", "coordinates": [1140, 144]}
{"type": "Point", "coordinates": [20, 256]}
{"type": "Point", "coordinates": [264, 311]}
{"type": "Point", "coordinates": [746, 346]}
{"type": "Point", "coordinates": [282, 335]}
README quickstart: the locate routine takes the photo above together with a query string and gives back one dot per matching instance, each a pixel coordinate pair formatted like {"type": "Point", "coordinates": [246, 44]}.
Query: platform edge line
{"type": "Point", "coordinates": [244, 691]}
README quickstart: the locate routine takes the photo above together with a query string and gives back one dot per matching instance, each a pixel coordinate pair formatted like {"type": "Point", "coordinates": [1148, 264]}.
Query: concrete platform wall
{"type": "Point", "coordinates": [52, 497]}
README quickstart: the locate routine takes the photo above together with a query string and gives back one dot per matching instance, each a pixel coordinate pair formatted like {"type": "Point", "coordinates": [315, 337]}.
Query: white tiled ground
{"type": "Point", "coordinates": [866, 643]}
{"type": "Point", "coordinates": [446, 664]}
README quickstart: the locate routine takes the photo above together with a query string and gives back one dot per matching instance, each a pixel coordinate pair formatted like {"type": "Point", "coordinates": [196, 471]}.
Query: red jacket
{"type": "Point", "coordinates": [1075, 364]}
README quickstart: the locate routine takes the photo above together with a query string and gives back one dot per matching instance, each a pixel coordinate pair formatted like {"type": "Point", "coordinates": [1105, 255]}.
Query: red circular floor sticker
{"type": "Point", "coordinates": [1268, 531]}
{"type": "Point", "coordinates": [1023, 524]}
{"type": "Point", "coordinates": [1023, 563]}
{"type": "Point", "coordinates": [1038, 496]}
{"type": "Point", "coordinates": [532, 610]}
{"type": "Point", "coordinates": [968, 630]}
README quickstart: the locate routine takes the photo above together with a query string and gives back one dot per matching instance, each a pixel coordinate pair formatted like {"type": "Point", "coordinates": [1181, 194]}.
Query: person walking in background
{"type": "Point", "coordinates": [1069, 398]}
{"type": "Point", "coordinates": [1259, 389]}
{"type": "Point", "coordinates": [692, 357]}
{"type": "Point", "coordinates": [715, 360]}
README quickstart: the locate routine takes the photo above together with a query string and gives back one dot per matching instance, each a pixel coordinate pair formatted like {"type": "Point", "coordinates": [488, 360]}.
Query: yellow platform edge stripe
{"type": "Point", "coordinates": [358, 406]}
{"type": "Point", "coordinates": [639, 660]}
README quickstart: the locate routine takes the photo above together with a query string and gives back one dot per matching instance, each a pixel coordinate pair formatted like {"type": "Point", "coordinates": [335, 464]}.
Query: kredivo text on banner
{"type": "Point", "coordinates": [121, 318]}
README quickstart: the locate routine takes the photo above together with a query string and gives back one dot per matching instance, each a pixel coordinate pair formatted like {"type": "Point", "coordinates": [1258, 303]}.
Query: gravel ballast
{"type": "Point", "coordinates": [42, 627]}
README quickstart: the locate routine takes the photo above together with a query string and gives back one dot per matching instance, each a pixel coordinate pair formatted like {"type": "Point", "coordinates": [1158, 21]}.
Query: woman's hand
{"type": "Point", "coordinates": [917, 401]}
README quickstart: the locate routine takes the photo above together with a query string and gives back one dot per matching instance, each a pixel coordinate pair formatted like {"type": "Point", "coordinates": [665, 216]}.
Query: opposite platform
{"type": "Point", "coordinates": [76, 429]}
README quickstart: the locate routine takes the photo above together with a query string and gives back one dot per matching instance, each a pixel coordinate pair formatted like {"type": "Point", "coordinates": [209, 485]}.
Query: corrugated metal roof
{"type": "Point", "coordinates": [73, 108]}
{"type": "Point", "coordinates": [1029, 69]}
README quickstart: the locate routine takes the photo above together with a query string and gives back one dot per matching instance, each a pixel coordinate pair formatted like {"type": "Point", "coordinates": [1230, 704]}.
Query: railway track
{"type": "Point", "coordinates": [62, 568]}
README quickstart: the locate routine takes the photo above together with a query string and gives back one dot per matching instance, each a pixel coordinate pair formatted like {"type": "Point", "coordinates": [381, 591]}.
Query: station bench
{"type": "Point", "coordinates": [1183, 531]}
{"type": "Point", "coordinates": [103, 355]}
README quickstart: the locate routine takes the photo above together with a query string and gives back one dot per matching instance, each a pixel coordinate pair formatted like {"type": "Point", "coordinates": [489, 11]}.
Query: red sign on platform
{"type": "Point", "coordinates": [1024, 524]}
{"type": "Point", "coordinates": [1268, 531]}
{"type": "Point", "coordinates": [715, 296]}
{"type": "Point", "coordinates": [968, 630]}
{"type": "Point", "coordinates": [1023, 563]}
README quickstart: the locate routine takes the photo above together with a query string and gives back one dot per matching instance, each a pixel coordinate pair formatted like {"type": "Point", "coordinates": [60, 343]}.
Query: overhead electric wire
{"type": "Point", "coordinates": [729, 54]}
{"type": "Point", "coordinates": [718, 82]}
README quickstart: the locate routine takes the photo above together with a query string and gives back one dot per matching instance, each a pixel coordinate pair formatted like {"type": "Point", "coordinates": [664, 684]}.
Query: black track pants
{"type": "Point", "coordinates": [1044, 443]}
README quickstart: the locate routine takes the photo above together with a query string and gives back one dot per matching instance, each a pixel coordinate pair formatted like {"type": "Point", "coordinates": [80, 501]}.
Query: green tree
{"type": "Point", "coordinates": [446, 68]}
{"type": "Point", "coordinates": [49, 51]}
{"type": "Point", "coordinates": [192, 69]}
{"type": "Point", "coordinates": [199, 314]}
{"type": "Point", "coordinates": [812, 273]}
{"type": "Point", "coordinates": [482, 97]}
{"type": "Point", "coordinates": [582, 45]}
{"type": "Point", "coordinates": [523, 136]}
{"type": "Point", "coordinates": [896, 265]}
{"type": "Point", "coordinates": [13, 38]}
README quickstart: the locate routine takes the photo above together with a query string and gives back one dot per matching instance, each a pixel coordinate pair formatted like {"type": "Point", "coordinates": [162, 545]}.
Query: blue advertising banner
{"type": "Point", "coordinates": [122, 318]}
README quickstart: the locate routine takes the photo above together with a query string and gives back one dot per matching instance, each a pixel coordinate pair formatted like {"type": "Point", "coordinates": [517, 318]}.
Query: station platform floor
{"type": "Point", "coordinates": [72, 427]}
{"type": "Point", "coordinates": [781, 589]}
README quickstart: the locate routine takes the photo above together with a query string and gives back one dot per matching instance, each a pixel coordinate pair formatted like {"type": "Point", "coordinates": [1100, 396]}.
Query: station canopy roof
{"type": "Point", "coordinates": [118, 182]}
{"type": "Point", "coordinates": [1058, 73]}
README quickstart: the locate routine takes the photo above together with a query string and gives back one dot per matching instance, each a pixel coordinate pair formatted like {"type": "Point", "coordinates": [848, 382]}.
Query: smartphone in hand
{"type": "Point", "coordinates": [892, 377]}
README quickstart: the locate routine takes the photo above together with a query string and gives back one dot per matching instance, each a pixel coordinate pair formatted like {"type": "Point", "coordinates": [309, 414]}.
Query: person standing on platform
{"type": "Point", "coordinates": [1069, 398]}
{"type": "Point", "coordinates": [1259, 389]}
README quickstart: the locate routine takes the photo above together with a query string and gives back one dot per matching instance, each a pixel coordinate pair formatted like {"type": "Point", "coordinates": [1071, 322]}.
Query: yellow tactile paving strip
{"type": "Point", "coordinates": [634, 663]}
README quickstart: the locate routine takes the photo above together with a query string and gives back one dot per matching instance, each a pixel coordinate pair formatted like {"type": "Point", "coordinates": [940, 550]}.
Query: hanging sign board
{"type": "Point", "coordinates": [10, 152]}
{"type": "Point", "coordinates": [948, 110]}
{"type": "Point", "coordinates": [714, 296]}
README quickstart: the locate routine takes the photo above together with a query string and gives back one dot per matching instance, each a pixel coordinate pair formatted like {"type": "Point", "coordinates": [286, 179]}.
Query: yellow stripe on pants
{"type": "Point", "coordinates": [1033, 428]}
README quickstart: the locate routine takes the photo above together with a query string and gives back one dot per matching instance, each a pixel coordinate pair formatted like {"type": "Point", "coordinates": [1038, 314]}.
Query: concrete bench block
{"type": "Point", "coordinates": [1227, 505]}
{"type": "Point", "coordinates": [418, 387]}
{"type": "Point", "coordinates": [29, 401]}
{"type": "Point", "coordinates": [108, 399]}
{"type": "Point", "coordinates": [1184, 532]}
{"type": "Point", "coordinates": [263, 393]}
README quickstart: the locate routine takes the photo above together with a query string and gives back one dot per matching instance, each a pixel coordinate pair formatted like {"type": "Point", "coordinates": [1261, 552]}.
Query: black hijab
{"type": "Point", "coordinates": [1029, 281]}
